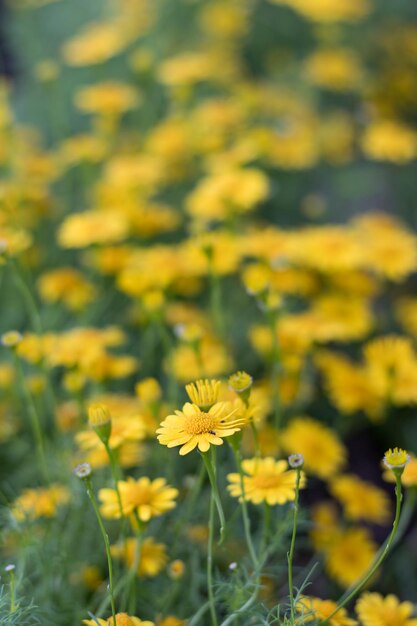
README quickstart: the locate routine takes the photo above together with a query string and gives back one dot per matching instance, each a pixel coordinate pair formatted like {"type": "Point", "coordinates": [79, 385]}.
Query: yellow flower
{"type": "Point", "coordinates": [240, 382]}
{"type": "Point", "coordinates": [324, 454]}
{"type": "Point", "coordinates": [40, 502]}
{"type": "Point", "coordinates": [360, 499]}
{"type": "Point", "coordinates": [204, 393]}
{"type": "Point", "coordinates": [265, 480]}
{"type": "Point", "coordinates": [108, 98]}
{"type": "Point", "coordinates": [325, 530]}
{"type": "Point", "coordinates": [80, 230]}
{"type": "Point", "coordinates": [122, 619]}
{"type": "Point", "coordinates": [68, 286]}
{"type": "Point", "coordinates": [317, 609]}
{"type": "Point", "coordinates": [152, 556]}
{"type": "Point", "coordinates": [148, 390]}
{"type": "Point", "coordinates": [176, 569]}
{"type": "Point", "coordinates": [396, 458]}
{"type": "Point", "coordinates": [409, 476]}
{"type": "Point", "coordinates": [224, 193]}
{"type": "Point", "coordinates": [350, 555]}
{"type": "Point", "coordinates": [375, 610]}
{"type": "Point", "coordinates": [390, 140]}
{"type": "Point", "coordinates": [193, 427]}
{"type": "Point", "coordinates": [337, 69]}
{"type": "Point", "coordinates": [145, 497]}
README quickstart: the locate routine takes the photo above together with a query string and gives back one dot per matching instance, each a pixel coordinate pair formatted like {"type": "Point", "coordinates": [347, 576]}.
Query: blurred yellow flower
{"type": "Point", "coordinates": [360, 499]}
{"type": "Point", "coordinates": [324, 454]}
{"type": "Point", "coordinates": [350, 555]}
{"type": "Point", "coordinates": [376, 610]}
{"type": "Point", "coordinates": [152, 555]}
{"type": "Point", "coordinates": [265, 480]}
{"type": "Point", "coordinates": [390, 140]}
{"type": "Point", "coordinates": [142, 496]}
{"type": "Point", "coordinates": [40, 502]}
{"type": "Point", "coordinates": [318, 609]}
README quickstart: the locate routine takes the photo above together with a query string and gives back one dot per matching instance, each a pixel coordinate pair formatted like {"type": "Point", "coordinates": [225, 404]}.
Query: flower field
{"type": "Point", "coordinates": [208, 270]}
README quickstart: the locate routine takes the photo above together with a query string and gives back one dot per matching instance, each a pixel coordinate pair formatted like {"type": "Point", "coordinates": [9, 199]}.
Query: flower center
{"type": "Point", "coordinates": [266, 481]}
{"type": "Point", "coordinates": [199, 423]}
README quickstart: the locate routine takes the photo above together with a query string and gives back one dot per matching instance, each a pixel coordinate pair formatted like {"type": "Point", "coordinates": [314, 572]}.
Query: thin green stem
{"type": "Point", "coordinates": [93, 500]}
{"type": "Point", "coordinates": [292, 546]}
{"type": "Point", "coordinates": [116, 475]}
{"type": "Point", "coordinates": [266, 527]}
{"type": "Point", "coordinates": [244, 508]}
{"type": "Point", "coordinates": [13, 605]}
{"type": "Point", "coordinates": [27, 296]}
{"type": "Point", "coordinates": [210, 591]}
{"type": "Point", "coordinates": [210, 463]}
{"type": "Point", "coordinates": [352, 591]}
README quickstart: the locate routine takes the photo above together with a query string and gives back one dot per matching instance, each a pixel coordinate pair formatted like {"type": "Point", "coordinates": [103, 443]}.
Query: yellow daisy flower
{"type": "Point", "coordinates": [350, 556]}
{"type": "Point", "coordinates": [360, 499]}
{"type": "Point", "coordinates": [375, 610]}
{"type": "Point", "coordinates": [193, 427]}
{"type": "Point", "coordinates": [324, 454]}
{"type": "Point", "coordinates": [152, 558]}
{"type": "Point", "coordinates": [145, 497]}
{"type": "Point", "coordinates": [266, 480]}
{"type": "Point", "coordinates": [317, 609]}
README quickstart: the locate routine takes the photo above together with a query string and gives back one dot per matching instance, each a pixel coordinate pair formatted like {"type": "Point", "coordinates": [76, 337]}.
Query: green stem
{"type": "Point", "coordinates": [351, 593]}
{"type": "Point", "coordinates": [244, 509]}
{"type": "Point", "coordinates": [27, 296]}
{"type": "Point", "coordinates": [266, 527]}
{"type": "Point", "coordinates": [210, 463]}
{"type": "Point", "coordinates": [116, 475]}
{"type": "Point", "coordinates": [13, 605]}
{"type": "Point", "coordinates": [93, 500]}
{"type": "Point", "coordinates": [292, 546]}
{"type": "Point", "coordinates": [210, 591]}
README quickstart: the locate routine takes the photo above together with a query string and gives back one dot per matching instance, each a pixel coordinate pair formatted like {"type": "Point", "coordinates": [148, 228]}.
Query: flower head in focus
{"type": "Point", "coordinates": [194, 427]}
{"type": "Point", "coordinates": [204, 393]}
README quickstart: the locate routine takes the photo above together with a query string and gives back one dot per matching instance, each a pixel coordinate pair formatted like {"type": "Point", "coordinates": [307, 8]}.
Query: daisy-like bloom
{"type": "Point", "coordinates": [396, 459]}
{"type": "Point", "coordinates": [122, 619]}
{"type": "Point", "coordinates": [350, 555]}
{"type": "Point", "coordinates": [203, 393]}
{"type": "Point", "coordinates": [265, 480]}
{"type": "Point", "coordinates": [145, 497]}
{"type": "Point", "coordinates": [409, 476]}
{"type": "Point", "coordinates": [193, 427]}
{"type": "Point", "coordinates": [324, 454]}
{"type": "Point", "coordinates": [360, 499]}
{"type": "Point", "coordinates": [152, 559]}
{"type": "Point", "coordinates": [375, 610]}
{"type": "Point", "coordinates": [317, 609]}
{"type": "Point", "coordinates": [40, 502]}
